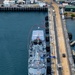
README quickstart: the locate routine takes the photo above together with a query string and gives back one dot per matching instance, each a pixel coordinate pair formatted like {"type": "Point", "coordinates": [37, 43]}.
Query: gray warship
{"type": "Point", "coordinates": [37, 62]}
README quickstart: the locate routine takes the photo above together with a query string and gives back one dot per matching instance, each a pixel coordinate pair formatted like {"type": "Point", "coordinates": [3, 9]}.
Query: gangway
{"type": "Point", "coordinates": [73, 43]}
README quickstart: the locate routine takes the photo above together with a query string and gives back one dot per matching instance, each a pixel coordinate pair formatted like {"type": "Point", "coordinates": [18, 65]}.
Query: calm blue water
{"type": "Point", "coordinates": [15, 31]}
{"type": "Point", "coordinates": [71, 28]}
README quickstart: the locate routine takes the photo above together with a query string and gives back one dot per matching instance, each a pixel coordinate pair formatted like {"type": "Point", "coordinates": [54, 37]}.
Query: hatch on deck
{"type": "Point", "coordinates": [37, 33]}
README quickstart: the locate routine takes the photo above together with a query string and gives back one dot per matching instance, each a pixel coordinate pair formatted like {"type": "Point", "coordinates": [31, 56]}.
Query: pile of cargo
{"type": "Point", "coordinates": [8, 3]}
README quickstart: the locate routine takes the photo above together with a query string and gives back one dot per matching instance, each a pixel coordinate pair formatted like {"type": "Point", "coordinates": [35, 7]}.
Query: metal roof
{"type": "Point", "coordinates": [61, 0]}
{"type": "Point", "coordinates": [69, 6]}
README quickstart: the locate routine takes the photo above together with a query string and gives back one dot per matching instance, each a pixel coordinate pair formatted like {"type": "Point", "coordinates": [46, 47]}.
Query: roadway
{"type": "Point", "coordinates": [55, 51]}
{"type": "Point", "coordinates": [57, 70]}
{"type": "Point", "coordinates": [68, 48]}
{"type": "Point", "coordinates": [61, 42]}
{"type": "Point", "coordinates": [57, 46]}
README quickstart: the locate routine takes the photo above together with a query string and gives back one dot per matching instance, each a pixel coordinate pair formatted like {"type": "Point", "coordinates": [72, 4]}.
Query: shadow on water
{"type": "Point", "coordinates": [71, 28]}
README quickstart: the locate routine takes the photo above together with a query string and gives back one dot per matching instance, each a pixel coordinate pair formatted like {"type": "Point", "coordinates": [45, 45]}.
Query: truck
{"type": "Point", "coordinates": [61, 11]}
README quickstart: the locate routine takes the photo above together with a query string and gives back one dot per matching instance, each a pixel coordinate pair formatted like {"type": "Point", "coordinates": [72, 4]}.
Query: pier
{"type": "Point", "coordinates": [59, 43]}
{"type": "Point", "coordinates": [73, 52]}
{"type": "Point", "coordinates": [17, 9]}
{"type": "Point", "coordinates": [22, 5]}
{"type": "Point", "coordinates": [52, 42]}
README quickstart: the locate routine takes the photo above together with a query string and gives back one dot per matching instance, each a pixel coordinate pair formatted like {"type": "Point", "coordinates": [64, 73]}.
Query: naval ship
{"type": "Point", "coordinates": [37, 62]}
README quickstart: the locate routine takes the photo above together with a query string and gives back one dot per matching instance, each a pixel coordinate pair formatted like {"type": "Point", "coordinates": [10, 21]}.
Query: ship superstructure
{"type": "Point", "coordinates": [37, 54]}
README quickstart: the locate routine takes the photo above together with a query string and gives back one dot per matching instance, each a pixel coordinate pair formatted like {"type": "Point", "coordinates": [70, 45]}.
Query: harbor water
{"type": "Point", "coordinates": [15, 29]}
{"type": "Point", "coordinates": [71, 28]}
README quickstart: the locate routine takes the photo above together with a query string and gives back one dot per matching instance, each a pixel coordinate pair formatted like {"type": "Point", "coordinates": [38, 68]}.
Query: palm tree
{"type": "Point", "coordinates": [72, 16]}
{"type": "Point", "coordinates": [65, 13]}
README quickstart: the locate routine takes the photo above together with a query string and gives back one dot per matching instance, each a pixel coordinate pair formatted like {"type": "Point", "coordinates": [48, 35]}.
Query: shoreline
{"type": "Point", "coordinates": [69, 15]}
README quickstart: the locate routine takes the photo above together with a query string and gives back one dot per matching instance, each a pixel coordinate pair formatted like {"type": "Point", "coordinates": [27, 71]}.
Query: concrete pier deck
{"type": "Point", "coordinates": [61, 42]}
{"type": "Point", "coordinates": [52, 42]}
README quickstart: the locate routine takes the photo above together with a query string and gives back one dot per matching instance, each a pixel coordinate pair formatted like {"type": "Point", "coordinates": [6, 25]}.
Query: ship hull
{"type": "Point", "coordinates": [37, 54]}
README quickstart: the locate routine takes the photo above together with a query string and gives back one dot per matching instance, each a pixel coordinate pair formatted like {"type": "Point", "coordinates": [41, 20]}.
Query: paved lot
{"type": "Point", "coordinates": [1, 1]}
